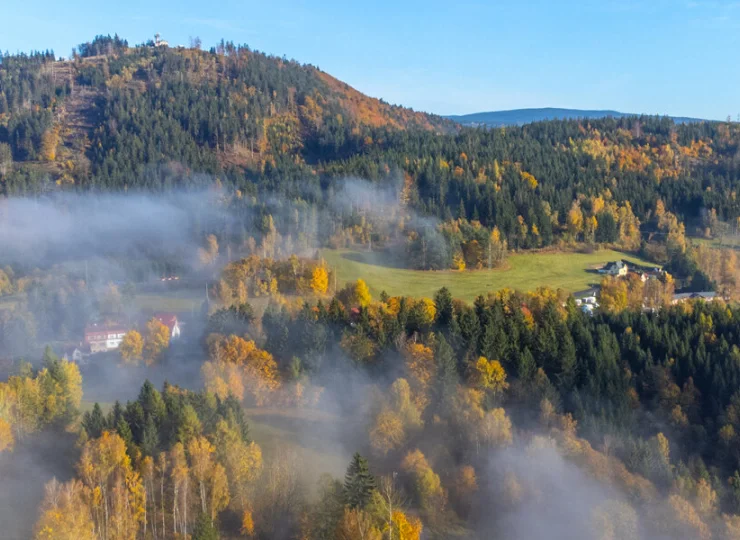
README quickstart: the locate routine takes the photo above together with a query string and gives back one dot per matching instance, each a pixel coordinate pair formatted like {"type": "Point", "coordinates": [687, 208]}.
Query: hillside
{"type": "Point", "coordinates": [116, 118]}
{"type": "Point", "coordinates": [107, 114]}
{"type": "Point", "coordinates": [519, 117]}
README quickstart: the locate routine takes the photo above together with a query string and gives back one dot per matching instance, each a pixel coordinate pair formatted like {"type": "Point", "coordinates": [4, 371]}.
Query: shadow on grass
{"type": "Point", "coordinates": [383, 259]}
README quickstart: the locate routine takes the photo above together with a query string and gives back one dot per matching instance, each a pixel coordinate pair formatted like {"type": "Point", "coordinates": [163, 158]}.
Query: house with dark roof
{"type": "Point", "coordinates": [614, 268]}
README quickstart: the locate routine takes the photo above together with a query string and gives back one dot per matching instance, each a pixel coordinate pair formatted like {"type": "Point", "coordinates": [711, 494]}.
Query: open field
{"type": "Point", "coordinates": [178, 301]}
{"type": "Point", "coordinates": [724, 242]}
{"type": "Point", "coordinates": [306, 432]}
{"type": "Point", "coordinates": [525, 272]}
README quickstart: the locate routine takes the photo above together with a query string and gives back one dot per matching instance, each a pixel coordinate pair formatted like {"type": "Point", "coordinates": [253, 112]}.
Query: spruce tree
{"type": "Point", "coordinates": [150, 437]}
{"type": "Point", "coordinates": [94, 422]}
{"type": "Point", "coordinates": [359, 483]}
{"type": "Point", "coordinates": [443, 303]}
{"type": "Point", "coordinates": [447, 375]}
{"type": "Point", "coordinates": [124, 431]}
{"type": "Point", "coordinates": [205, 528]}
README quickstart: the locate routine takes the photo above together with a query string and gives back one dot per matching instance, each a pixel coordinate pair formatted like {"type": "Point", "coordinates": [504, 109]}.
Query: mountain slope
{"type": "Point", "coordinates": [113, 111]}
{"type": "Point", "coordinates": [518, 117]}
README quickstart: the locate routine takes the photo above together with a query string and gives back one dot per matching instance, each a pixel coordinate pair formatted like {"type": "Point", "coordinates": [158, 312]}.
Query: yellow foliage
{"type": "Point", "coordinates": [422, 369]}
{"type": "Point", "coordinates": [7, 441]}
{"type": "Point", "coordinates": [238, 366]}
{"type": "Point", "coordinates": [458, 262]}
{"type": "Point", "coordinates": [247, 523]}
{"type": "Point", "coordinates": [65, 514]}
{"type": "Point", "coordinates": [362, 293]}
{"type": "Point", "coordinates": [49, 142]}
{"type": "Point", "coordinates": [320, 280]}
{"type": "Point", "coordinates": [132, 347]}
{"type": "Point", "coordinates": [528, 179]}
{"type": "Point", "coordinates": [426, 482]}
{"type": "Point", "coordinates": [405, 528]}
{"type": "Point", "coordinates": [613, 296]}
{"type": "Point", "coordinates": [575, 220]}
{"type": "Point", "coordinates": [489, 376]}
{"type": "Point", "coordinates": [156, 341]}
{"type": "Point", "coordinates": [387, 432]}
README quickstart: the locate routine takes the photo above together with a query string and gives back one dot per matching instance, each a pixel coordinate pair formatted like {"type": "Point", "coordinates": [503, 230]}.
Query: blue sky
{"type": "Point", "coordinates": [675, 57]}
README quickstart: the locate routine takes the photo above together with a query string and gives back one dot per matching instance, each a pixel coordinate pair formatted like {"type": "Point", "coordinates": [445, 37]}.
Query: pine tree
{"type": "Point", "coordinates": [205, 528]}
{"type": "Point", "coordinates": [359, 483]}
{"type": "Point", "coordinates": [150, 437]}
{"type": "Point", "coordinates": [443, 303]}
{"type": "Point", "coordinates": [526, 365]}
{"type": "Point", "coordinates": [447, 375]}
{"type": "Point", "coordinates": [151, 401]}
{"type": "Point", "coordinates": [94, 422]}
{"type": "Point", "coordinates": [124, 431]}
{"type": "Point", "coordinates": [115, 414]}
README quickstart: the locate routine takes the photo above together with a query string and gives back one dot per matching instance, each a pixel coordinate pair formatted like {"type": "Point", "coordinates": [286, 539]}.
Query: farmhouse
{"type": "Point", "coordinates": [104, 337]}
{"type": "Point", "coordinates": [615, 268]}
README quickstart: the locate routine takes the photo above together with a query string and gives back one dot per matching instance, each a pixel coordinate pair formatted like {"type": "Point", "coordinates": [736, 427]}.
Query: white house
{"type": "Point", "coordinates": [615, 268]}
{"type": "Point", "coordinates": [104, 337]}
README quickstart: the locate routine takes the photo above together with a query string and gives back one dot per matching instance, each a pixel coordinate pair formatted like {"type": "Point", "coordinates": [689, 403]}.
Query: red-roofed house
{"type": "Point", "coordinates": [170, 321]}
{"type": "Point", "coordinates": [104, 337]}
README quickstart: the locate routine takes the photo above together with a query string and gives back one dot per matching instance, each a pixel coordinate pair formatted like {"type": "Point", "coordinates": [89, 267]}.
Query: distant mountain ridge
{"type": "Point", "coordinates": [518, 117]}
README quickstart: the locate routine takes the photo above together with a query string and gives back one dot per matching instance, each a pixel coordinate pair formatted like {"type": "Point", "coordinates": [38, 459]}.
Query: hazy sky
{"type": "Point", "coordinates": [674, 57]}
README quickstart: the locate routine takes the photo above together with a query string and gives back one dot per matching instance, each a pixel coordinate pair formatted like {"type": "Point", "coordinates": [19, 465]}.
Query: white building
{"type": "Point", "coordinates": [615, 268]}
{"type": "Point", "coordinates": [104, 337]}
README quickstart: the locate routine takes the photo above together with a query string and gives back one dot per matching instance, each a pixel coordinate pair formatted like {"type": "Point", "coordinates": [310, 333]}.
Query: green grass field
{"type": "Point", "coordinates": [524, 272]}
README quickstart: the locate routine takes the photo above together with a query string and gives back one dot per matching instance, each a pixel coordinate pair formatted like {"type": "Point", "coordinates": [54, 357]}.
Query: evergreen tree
{"type": "Point", "coordinates": [447, 374]}
{"type": "Point", "coordinates": [359, 483]}
{"type": "Point", "coordinates": [607, 230]}
{"type": "Point", "coordinates": [205, 528]}
{"type": "Point", "coordinates": [94, 422]}
{"type": "Point", "coordinates": [151, 402]}
{"type": "Point", "coordinates": [150, 437]}
{"type": "Point", "coordinates": [124, 431]}
{"type": "Point", "coordinates": [443, 303]}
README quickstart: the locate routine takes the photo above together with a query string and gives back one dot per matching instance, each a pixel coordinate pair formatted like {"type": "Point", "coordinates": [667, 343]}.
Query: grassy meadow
{"type": "Point", "coordinates": [524, 271]}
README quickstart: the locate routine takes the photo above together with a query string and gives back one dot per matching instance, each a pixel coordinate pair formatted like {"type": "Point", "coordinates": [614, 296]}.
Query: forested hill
{"type": "Point", "coordinates": [152, 117]}
{"type": "Point", "coordinates": [519, 117]}
{"type": "Point", "coordinates": [104, 117]}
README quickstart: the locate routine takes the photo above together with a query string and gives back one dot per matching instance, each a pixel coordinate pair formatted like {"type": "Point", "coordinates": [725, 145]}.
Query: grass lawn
{"type": "Point", "coordinates": [524, 272]}
{"type": "Point", "coordinates": [179, 301]}
{"type": "Point", "coordinates": [309, 433]}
